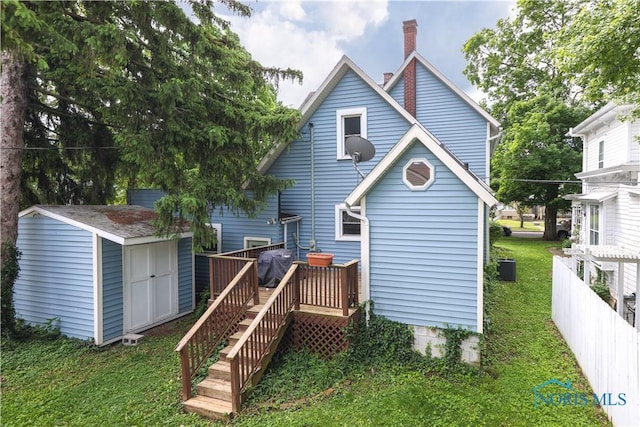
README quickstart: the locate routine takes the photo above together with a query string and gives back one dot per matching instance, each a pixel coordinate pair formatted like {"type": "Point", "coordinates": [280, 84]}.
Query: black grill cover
{"type": "Point", "coordinates": [272, 266]}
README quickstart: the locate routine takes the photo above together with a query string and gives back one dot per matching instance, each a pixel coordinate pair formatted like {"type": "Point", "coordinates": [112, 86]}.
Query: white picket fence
{"type": "Point", "coordinates": [605, 345]}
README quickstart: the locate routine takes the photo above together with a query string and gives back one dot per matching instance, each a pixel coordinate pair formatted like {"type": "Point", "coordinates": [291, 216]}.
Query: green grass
{"type": "Point", "coordinates": [514, 224]}
{"type": "Point", "coordinates": [66, 382]}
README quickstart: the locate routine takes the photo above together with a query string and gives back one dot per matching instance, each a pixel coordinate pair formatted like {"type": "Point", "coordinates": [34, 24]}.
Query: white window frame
{"type": "Point", "coordinates": [601, 154]}
{"type": "Point", "coordinates": [340, 138]}
{"type": "Point", "coordinates": [247, 239]}
{"type": "Point", "coordinates": [218, 228]}
{"type": "Point", "coordinates": [597, 230]}
{"type": "Point", "coordinates": [339, 209]}
{"type": "Point", "coordinates": [432, 174]}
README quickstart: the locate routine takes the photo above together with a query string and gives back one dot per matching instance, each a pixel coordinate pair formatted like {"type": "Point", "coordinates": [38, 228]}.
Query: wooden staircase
{"type": "Point", "coordinates": [214, 398]}
{"type": "Point", "coordinates": [252, 331]}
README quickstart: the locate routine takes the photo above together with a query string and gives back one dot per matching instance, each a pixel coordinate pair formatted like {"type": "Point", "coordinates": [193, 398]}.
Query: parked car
{"type": "Point", "coordinates": [563, 229]}
{"type": "Point", "coordinates": [506, 231]}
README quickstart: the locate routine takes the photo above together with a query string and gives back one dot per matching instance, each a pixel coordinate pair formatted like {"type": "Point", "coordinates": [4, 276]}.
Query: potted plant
{"type": "Point", "coordinates": [319, 259]}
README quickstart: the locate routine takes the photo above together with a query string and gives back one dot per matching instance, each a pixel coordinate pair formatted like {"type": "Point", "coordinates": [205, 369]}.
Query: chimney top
{"type": "Point", "coordinates": [410, 29]}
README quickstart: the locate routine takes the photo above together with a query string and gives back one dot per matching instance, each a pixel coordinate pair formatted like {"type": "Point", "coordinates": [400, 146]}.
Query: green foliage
{"type": "Point", "coordinates": [453, 346]}
{"type": "Point", "coordinates": [495, 232]}
{"type": "Point", "coordinates": [379, 341]}
{"type": "Point", "coordinates": [599, 48]}
{"type": "Point", "coordinates": [140, 94]}
{"type": "Point", "coordinates": [602, 290]}
{"type": "Point", "coordinates": [10, 271]}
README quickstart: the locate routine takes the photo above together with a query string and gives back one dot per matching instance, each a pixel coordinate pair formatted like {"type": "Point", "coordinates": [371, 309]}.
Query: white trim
{"type": "Point", "coordinates": [340, 237]}
{"type": "Point", "coordinates": [97, 289]}
{"type": "Point", "coordinates": [340, 138]}
{"type": "Point", "coordinates": [432, 174]}
{"type": "Point", "coordinates": [466, 98]}
{"type": "Point", "coordinates": [417, 133]}
{"type": "Point", "coordinates": [365, 271]}
{"type": "Point", "coordinates": [480, 268]}
{"type": "Point", "coordinates": [246, 239]}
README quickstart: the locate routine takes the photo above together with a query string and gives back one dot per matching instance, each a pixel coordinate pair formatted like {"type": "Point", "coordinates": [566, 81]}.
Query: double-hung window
{"type": "Point", "coordinates": [347, 226]}
{"type": "Point", "coordinates": [594, 224]}
{"type": "Point", "coordinates": [349, 122]}
{"type": "Point", "coordinates": [601, 155]}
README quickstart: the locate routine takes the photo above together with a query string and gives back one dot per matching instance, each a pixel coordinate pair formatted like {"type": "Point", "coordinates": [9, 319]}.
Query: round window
{"type": "Point", "coordinates": [418, 174]}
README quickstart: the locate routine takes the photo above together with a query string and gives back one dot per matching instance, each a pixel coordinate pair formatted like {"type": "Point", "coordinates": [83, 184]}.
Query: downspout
{"type": "Point", "coordinates": [364, 253]}
{"type": "Point", "coordinates": [312, 243]}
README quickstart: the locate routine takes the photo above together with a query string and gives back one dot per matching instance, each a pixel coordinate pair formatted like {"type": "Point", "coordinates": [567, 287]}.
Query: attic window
{"type": "Point", "coordinates": [349, 122]}
{"type": "Point", "coordinates": [418, 174]}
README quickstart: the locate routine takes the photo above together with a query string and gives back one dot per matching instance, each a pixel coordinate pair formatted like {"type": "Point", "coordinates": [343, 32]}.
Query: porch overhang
{"type": "Point", "coordinates": [596, 196]}
{"type": "Point", "coordinates": [610, 253]}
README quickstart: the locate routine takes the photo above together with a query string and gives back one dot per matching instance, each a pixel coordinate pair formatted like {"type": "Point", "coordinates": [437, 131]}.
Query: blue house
{"type": "Point", "coordinates": [99, 272]}
{"type": "Point", "coordinates": [416, 214]}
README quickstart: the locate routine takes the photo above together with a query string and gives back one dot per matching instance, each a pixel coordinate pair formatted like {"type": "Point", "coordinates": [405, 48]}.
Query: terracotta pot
{"type": "Point", "coordinates": [318, 259]}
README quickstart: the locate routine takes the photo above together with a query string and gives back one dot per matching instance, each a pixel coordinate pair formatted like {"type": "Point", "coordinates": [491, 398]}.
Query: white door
{"type": "Point", "coordinates": [151, 292]}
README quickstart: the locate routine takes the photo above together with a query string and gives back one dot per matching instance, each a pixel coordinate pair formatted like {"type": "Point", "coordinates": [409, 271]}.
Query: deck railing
{"type": "Point", "coordinates": [335, 286]}
{"type": "Point", "coordinates": [217, 323]}
{"type": "Point", "coordinates": [224, 267]}
{"type": "Point", "coordinates": [255, 345]}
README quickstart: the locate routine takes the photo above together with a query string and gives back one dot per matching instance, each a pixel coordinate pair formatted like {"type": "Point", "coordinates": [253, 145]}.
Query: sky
{"type": "Point", "coordinates": [312, 36]}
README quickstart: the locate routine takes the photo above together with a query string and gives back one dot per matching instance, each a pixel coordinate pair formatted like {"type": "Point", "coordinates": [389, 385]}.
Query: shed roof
{"type": "Point", "coordinates": [123, 224]}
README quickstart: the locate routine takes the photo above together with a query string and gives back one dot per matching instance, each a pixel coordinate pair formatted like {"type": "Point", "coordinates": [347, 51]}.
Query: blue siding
{"type": "Point", "coordinates": [335, 179]}
{"type": "Point", "coordinates": [144, 197]}
{"type": "Point", "coordinates": [185, 276]}
{"type": "Point", "coordinates": [423, 248]}
{"type": "Point", "coordinates": [56, 275]}
{"type": "Point", "coordinates": [236, 227]}
{"type": "Point", "coordinates": [449, 118]}
{"type": "Point", "coordinates": [112, 291]}
{"type": "Point", "coordinates": [452, 120]}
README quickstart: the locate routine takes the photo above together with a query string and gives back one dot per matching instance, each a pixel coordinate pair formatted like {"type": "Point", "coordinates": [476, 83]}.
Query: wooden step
{"type": "Point", "coordinates": [220, 370]}
{"type": "Point", "coordinates": [208, 407]}
{"type": "Point", "coordinates": [225, 351]}
{"type": "Point", "coordinates": [215, 388]}
{"type": "Point", "coordinates": [253, 311]}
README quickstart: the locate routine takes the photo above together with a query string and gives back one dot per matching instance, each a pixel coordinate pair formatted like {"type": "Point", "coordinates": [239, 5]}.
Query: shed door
{"type": "Point", "coordinates": [150, 284]}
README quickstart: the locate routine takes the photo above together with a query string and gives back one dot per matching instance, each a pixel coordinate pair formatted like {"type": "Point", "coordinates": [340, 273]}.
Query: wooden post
{"type": "Point", "coordinates": [254, 278]}
{"type": "Point", "coordinates": [186, 375]}
{"type": "Point", "coordinates": [212, 284]}
{"type": "Point", "coordinates": [236, 398]}
{"type": "Point", "coordinates": [296, 288]}
{"type": "Point", "coordinates": [344, 291]}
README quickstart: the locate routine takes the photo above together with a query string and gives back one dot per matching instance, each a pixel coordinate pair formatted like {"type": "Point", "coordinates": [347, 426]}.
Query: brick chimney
{"type": "Point", "coordinates": [410, 29]}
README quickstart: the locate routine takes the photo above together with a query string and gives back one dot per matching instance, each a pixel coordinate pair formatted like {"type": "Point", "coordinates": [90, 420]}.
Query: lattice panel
{"type": "Point", "coordinates": [322, 335]}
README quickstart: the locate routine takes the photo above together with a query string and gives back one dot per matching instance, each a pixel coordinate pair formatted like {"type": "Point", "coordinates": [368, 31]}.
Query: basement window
{"type": "Point", "coordinates": [418, 174]}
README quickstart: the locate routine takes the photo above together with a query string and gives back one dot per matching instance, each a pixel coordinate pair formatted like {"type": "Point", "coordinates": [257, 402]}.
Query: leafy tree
{"type": "Point", "coordinates": [186, 107]}
{"type": "Point", "coordinates": [536, 145]}
{"type": "Point", "coordinates": [534, 99]}
{"type": "Point", "coordinates": [600, 48]}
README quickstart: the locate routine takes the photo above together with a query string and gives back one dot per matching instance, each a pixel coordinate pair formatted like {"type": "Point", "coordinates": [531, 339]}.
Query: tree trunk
{"type": "Point", "coordinates": [13, 92]}
{"type": "Point", "coordinates": [551, 213]}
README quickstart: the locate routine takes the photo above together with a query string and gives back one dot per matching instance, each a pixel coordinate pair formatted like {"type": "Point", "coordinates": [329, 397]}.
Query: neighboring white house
{"type": "Point", "coordinates": [606, 215]}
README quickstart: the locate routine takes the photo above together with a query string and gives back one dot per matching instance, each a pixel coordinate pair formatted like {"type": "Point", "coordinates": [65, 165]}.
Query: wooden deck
{"type": "Point", "coordinates": [310, 308]}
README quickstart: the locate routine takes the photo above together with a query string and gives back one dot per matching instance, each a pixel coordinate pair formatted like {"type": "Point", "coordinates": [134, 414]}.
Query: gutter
{"type": "Point", "coordinates": [364, 253]}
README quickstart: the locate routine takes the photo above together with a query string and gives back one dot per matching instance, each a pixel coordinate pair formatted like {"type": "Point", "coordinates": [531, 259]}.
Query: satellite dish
{"type": "Point", "coordinates": [360, 149]}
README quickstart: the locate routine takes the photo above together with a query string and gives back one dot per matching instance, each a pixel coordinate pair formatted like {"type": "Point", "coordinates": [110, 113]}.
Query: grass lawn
{"type": "Point", "coordinates": [64, 382]}
{"type": "Point", "coordinates": [514, 224]}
